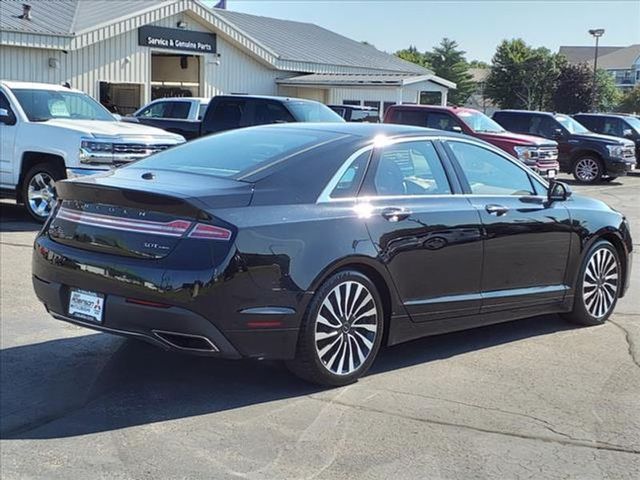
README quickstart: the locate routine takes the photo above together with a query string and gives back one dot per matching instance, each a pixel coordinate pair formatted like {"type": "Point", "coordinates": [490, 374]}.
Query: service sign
{"type": "Point", "coordinates": [177, 39]}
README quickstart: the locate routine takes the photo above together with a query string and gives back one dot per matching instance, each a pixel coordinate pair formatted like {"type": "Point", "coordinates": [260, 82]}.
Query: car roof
{"type": "Point", "coordinates": [266, 97]}
{"type": "Point", "coordinates": [537, 112]}
{"type": "Point", "coordinates": [177, 99]}
{"type": "Point", "coordinates": [10, 84]}
{"type": "Point", "coordinates": [614, 115]}
{"type": "Point", "coordinates": [367, 130]}
{"type": "Point", "coordinates": [353, 107]}
{"type": "Point", "coordinates": [453, 109]}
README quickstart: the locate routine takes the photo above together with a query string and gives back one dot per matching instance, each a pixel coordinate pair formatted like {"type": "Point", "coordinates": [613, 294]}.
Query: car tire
{"type": "Point", "coordinates": [346, 308]}
{"type": "Point", "coordinates": [588, 169]}
{"type": "Point", "coordinates": [38, 190]}
{"type": "Point", "coordinates": [598, 285]}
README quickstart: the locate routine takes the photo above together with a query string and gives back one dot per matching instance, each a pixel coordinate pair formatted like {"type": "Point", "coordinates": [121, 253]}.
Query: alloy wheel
{"type": "Point", "coordinates": [346, 328]}
{"type": "Point", "coordinates": [600, 283]}
{"type": "Point", "coordinates": [587, 169]}
{"type": "Point", "coordinates": [41, 194]}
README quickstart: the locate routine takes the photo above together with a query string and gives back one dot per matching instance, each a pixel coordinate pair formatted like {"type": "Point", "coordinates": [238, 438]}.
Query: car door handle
{"type": "Point", "coordinates": [395, 214]}
{"type": "Point", "coordinates": [497, 210]}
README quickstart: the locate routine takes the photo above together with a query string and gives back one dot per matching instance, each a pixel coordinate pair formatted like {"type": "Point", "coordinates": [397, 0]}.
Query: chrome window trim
{"type": "Point", "coordinates": [325, 195]}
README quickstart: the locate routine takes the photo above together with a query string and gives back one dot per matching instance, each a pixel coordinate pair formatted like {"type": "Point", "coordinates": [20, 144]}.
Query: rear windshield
{"type": "Point", "coordinates": [235, 153]}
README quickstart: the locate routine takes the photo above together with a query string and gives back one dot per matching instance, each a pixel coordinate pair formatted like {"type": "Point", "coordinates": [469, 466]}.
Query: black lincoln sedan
{"type": "Point", "coordinates": [319, 243]}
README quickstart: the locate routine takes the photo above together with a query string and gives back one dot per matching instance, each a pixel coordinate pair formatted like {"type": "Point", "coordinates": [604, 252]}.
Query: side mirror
{"type": "Point", "coordinates": [628, 133]}
{"type": "Point", "coordinates": [558, 191]}
{"type": "Point", "coordinates": [6, 117]}
{"type": "Point", "coordinates": [456, 129]}
{"type": "Point", "coordinates": [558, 133]}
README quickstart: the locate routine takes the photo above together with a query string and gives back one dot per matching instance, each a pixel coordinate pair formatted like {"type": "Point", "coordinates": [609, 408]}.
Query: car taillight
{"type": "Point", "coordinates": [209, 232]}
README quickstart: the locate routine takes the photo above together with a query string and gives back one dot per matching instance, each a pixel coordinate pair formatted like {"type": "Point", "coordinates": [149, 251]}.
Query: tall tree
{"type": "Point", "coordinates": [631, 101]}
{"type": "Point", "coordinates": [573, 92]}
{"type": "Point", "coordinates": [448, 61]}
{"type": "Point", "coordinates": [522, 76]}
{"type": "Point", "coordinates": [608, 97]}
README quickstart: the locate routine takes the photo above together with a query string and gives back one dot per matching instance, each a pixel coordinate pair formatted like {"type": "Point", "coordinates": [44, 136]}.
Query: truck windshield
{"type": "Point", "coordinates": [570, 124]}
{"type": "Point", "coordinates": [313, 112]}
{"type": "Point", "coordinates": [42, 105]}
{"type": "Point", "coordinates": [479, 122]}
{"type": "Point", "coordinates": [634, 123]}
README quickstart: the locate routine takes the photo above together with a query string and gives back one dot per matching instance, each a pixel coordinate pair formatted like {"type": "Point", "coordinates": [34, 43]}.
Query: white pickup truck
{"type": "Point", "coordinates": [50, 132]}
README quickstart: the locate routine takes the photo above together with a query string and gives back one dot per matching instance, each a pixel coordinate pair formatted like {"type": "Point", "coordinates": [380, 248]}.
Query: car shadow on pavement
{"type": "Point", "coordinates": [95, 383]}
{"type": "Point", "coordinates": [14, 218]}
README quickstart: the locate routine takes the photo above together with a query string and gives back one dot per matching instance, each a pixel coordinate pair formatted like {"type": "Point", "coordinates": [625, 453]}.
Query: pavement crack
{"type": "Point", "coordinates": [568, 441]}
{"type": "Point", "coordinates": [544, 423]}
{"type": "Point", "coordinates": [630, 343]}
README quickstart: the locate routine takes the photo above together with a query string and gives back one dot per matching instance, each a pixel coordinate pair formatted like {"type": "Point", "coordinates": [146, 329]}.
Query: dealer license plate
{"type": "Point", "coordinates": [551, 173]}
{"type": "Point", "coordinates": [86, 305]}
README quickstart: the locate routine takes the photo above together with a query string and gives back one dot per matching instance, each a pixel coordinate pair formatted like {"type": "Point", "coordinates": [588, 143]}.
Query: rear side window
{"type": "Point", "coordinates": [350, 182]}
{"type": "Point", "coordinates": [488, 173]}
{"type": "Point", "coordinates": [179, 110]}
{"type": "Point", "coordinates": [233, 154]}
{"type": "Point", "coordinates": [227, 114]}
{"type": "Point", "coordinates": [410, 168]}
{"type": "Point", "coordinates": [417, 118]}
{"type": "Point", "coordinates": [364, 116]}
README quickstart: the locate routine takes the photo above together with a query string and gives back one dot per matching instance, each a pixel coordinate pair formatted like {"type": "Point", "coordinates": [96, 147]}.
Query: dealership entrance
{"type": "Point", "coordinates": [175, 75]}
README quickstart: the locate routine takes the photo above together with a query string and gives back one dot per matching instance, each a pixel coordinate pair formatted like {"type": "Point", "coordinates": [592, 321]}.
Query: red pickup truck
{"type": "Point", "coordinates": [537, 153]}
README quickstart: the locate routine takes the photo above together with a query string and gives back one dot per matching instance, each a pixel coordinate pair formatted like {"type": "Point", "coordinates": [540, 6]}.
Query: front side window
{"type": "Point", "coordinates": [442, 121]}
{"type": "Point", "coordinates": [543, 126]}
{"type": "Point", "coordinates": [270, 112]}
{"type": "Point", "coordinates": [228, 114]}
{"type": "Point", "coordinates": [313, 112]}
{"type": "Point", "coordinates": [571, 125]}
{"type": "Point", "coordinates": [488, 173]}
{"type": "Point", "coordinates": [479, 122]}
{"type": "Point", "coordinates": [410, 168]}
{"type": "Point", "coordinates": [42, 105]}
{"type": "Point", "coordinates": [4, 104]}
{"type": "Point", "coordinates": [613, 126]}
{"type": "Point", "coordinates": [156, 110]}
{"type": "Point", "coordinates": [179, 110]}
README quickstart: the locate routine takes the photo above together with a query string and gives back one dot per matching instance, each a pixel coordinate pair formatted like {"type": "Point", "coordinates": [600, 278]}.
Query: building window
{"type": "Point", "coordinates": [351, 102]}
{"type": "Point", "coordinates": [372, 104]}
{"type": "Point", "coordinates": [430, 98]}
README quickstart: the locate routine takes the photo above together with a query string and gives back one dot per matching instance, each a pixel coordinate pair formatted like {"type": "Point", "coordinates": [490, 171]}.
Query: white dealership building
{"type": "Point", "coordinates": [127, 53]}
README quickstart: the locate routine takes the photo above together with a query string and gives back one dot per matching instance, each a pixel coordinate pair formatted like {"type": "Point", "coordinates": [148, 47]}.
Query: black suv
{"type": "Point", "coordinates": [614, 124]}
{"type": "Point", "coordinates": [591, 157]}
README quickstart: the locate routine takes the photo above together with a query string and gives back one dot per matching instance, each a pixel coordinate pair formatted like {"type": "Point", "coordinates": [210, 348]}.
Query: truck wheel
{"type": "Point", "coordinates": [39, 190]}
{"type": "Point", "coordinates": [588, 169]}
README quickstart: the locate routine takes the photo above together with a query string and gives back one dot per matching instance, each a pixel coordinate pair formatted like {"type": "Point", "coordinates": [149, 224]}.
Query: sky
{"type": "Point", "coordinates": [477, 25]}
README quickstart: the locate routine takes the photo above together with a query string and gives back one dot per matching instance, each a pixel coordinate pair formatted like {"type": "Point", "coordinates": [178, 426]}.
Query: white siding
{"type": "Point", "coordinates": [121, 60]}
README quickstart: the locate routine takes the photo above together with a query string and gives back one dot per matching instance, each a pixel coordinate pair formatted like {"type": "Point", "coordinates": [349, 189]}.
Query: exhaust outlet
{"type": "Point", "coordinates": [186, 341]}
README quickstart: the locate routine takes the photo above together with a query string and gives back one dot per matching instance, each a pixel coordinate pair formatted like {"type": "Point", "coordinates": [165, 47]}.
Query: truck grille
{"type": "Point", "coordinates": [628, 152]}
{"type": "Point", "coordinates": [137, 148]}
{"type": "Point", "coordinates": [547, 153]}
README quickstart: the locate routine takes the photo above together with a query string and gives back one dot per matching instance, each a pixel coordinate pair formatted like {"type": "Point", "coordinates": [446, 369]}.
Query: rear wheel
{"type": "Point", "coordinates": [598, 285]}
{"type": "Point", "coordinates": [341, 332]}
{"type": "Point", "coordinates": [39, 191]}
{"type": "Point", "coordinates": [588, 169]}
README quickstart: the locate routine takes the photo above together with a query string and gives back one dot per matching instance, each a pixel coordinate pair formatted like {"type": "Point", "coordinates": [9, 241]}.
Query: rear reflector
{"type": "Point", "coordinates": [209, 232]}
{"type": "Point", "coordinates": [147, 303]}
{"type": "Point", "coordinates": [175, 228]}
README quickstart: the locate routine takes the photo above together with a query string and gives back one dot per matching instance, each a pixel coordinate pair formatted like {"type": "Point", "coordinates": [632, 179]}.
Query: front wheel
{"type": "Point", "coordinates": [341, 332]}
{"type": "Point", "coordinates": [588, 169]}
{"type": "Point", "coordinates": [598, 285]}
{"type": "Point", "coordinates": [39, 191]}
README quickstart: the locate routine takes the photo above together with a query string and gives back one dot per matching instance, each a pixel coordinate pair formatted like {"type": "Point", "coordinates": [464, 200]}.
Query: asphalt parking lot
{"type": "Point", "coordinates": [530, 399]}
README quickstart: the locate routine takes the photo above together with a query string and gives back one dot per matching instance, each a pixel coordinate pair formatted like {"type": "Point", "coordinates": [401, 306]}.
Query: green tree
{"type": "Point", "coordinates": [631, 101]}
{"type": "Point", "coordinates": [608, 96]}
{"type": "Point", "coordinates": [522, 76]}
{"type": "Point", "coordinates": [478, 64]}
{"type": "Point", "coordinates": [447, 61]}
{"type": "Point", "coordinates": [412, 55]}
{"type": "Point", "coordinates": [573, 91]}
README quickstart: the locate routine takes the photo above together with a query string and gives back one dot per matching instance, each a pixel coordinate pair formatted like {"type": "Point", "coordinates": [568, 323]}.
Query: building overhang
{"type": "Point", "coordinates": [378, 80]}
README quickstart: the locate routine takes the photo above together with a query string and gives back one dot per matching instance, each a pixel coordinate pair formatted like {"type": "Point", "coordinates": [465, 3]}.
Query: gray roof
{"type": "Point", "coordinates": [621, 59]}
{"type": "Point", "coordinates": [289, 40]}
{"type": "Point", "coordinates": [585, 54]}
{"type": "Point", "coordinates": [349, 79]}
{"type": "Point", "coordinates": [307, 42]}
{"type": "Point", "coordinates": [67, 17]}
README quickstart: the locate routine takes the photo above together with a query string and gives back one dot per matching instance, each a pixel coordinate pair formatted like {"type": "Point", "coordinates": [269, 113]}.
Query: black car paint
{"type": "Point", "coordinates": [571, 146]}
{"type": "Point", "coordinates": [212, 123]}
{"type": "Point", "coordinates": [590, 120]}
{"type": "Point", "coordinates": [249, 295]}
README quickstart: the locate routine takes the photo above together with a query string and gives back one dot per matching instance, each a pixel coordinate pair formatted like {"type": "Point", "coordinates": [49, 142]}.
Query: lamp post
{"type": "Point", "coordinates": [596, 33]}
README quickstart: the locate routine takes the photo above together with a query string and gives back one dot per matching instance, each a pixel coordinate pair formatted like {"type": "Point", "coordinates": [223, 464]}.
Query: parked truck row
{"type": "Point", "coordinates": [51, 132]}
